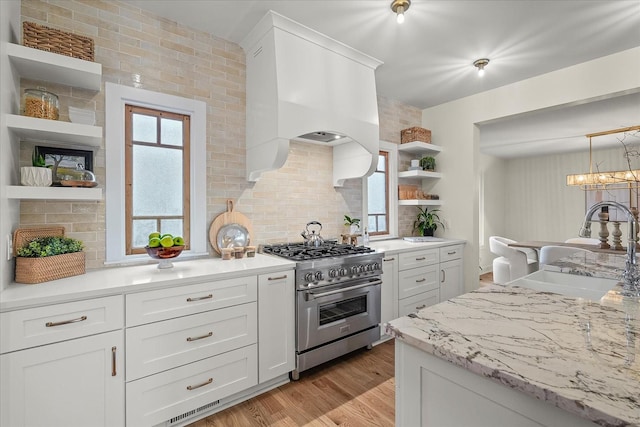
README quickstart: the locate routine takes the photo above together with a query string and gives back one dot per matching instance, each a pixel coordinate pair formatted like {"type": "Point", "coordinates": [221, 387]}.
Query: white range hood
{"type": "Point", "coordinates": [305, 86]}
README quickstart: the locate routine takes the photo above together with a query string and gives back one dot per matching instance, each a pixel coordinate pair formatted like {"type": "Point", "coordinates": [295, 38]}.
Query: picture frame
{"type": "Point", "coordinates": [67, 161]}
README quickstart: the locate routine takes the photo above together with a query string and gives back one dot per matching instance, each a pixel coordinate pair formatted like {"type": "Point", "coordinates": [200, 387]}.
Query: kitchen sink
{"type": "Point", "coordinates": [572, 285]}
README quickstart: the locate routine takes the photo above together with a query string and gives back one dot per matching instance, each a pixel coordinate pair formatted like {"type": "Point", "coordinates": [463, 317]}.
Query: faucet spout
{"type": "Point", "coordinates": [631, 275]}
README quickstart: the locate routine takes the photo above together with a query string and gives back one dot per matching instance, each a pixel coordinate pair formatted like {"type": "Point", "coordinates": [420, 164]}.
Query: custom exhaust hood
{"type": "Point", "coordinates": [305, 86]}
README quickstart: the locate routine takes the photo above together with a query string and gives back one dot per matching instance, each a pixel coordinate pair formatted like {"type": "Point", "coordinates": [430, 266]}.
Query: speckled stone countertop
{"type": "Point", "coordinates": [576, 354]}
{"type": "Point", "coordinates": [607, 266]}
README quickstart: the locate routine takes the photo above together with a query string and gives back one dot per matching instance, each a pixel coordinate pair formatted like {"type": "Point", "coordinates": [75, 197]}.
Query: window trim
{"type": "Point", "coordinates": [392, 150]}
{"type": "Point", "coordinates": [116, 96]}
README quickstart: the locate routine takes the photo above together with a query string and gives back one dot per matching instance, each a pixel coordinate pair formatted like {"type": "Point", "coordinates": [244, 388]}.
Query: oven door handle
{"type": "Point", "coordinates": [311, 295]}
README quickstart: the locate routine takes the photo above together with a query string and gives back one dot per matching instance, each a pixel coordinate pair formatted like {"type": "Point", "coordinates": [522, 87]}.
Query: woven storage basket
{"type": "Point", "coordinates": [57, 41]}
{"type": "Point", "coordinates": [38, 270]}
{"type": "Point", "coordinates": [415, 134]}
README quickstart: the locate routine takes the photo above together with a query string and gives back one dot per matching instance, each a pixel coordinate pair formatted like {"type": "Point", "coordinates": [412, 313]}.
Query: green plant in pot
{"type": "Point", "coordinates": [427, 221]}
{"type": "Point", "coordinates": [37, 175]}
{"type": "Point", "coordinates": [352, 223]}
{"type": "Point", "coordinates": [428, 163]}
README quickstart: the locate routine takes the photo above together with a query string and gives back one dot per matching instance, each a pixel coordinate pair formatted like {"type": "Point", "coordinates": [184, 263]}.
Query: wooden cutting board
{"type": "Point", "coordinates": [225, 218]}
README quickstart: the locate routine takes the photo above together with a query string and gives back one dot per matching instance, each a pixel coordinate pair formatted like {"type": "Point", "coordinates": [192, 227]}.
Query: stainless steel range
{"type": "Point", "coordinates": [337, 299]}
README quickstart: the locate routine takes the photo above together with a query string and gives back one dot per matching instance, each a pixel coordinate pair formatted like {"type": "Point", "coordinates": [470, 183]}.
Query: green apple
{"type": "Point", "coordinates": [154, 242]}
{"type": "Point", "coordinates": [178, 241]}
{"type": "Point", "coordinates": [154, 234]}
{"type": "Point", "coordinates": [166, 241]}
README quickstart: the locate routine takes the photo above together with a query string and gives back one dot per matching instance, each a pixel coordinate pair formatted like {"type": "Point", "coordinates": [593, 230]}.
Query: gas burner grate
{"type": "Point", "coordinates": [302, 252]}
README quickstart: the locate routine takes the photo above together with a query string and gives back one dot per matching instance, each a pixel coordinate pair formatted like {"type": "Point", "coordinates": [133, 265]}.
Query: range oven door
{"type": "Point", "coordinates": [333, 312]}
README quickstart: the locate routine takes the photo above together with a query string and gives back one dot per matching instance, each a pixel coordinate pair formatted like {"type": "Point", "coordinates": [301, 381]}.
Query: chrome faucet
{"type": "Point", "coordinates": [631, 275]}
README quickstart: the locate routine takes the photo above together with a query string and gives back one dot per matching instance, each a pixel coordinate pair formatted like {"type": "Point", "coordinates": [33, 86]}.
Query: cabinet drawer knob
{"type": "Point", "coordinates": [199, 298]}
{"type": "Point", "coordinates": [277, 278]}
{"type": "Point", "coordinates": [193, 387]}
{"type": "Point", "coordinates": [65, 322]}
{"type": "Point", "coordinates": [200, 337]}
{"type": "Point", "coordinates": [421, 258]}
{"type": "Point", "coordinates": [421, 280]}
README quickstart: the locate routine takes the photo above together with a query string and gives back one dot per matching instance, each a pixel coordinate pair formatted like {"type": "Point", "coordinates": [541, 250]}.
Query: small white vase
{"type": "Point", "coordinates": [35, 176]}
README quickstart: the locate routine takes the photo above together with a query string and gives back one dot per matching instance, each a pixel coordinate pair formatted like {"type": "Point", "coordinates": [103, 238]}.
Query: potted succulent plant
{"type": "Point", "coordinates": [49, 258]}
{"type": "Point", "coordinates": [427, 221]}
{"type": "Point", "coordinates": [428, 163]}
{"type": "Point", "coordinates": [352, 223]}
{"type": "Point", "coordinates": [36, 175]}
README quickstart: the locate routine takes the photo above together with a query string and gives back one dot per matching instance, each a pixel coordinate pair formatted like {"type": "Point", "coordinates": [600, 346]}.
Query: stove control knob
{"type": "Point", "coordinates": [333, 273]}
{"type": "Point", "coordinates": [354, 269]}
{"type": "Point", "coordinates": [376, 266]}
{"type": "Point", "coordinates": [370, 267]}
{"type": "Point", "coordinates": [319, 275]}
{"type": "Point", "coordinates": [308, 277]}
{"type": "Point", "coordinates": [342, 271]}
{"type": "Point", "coordinates": [361, 269]}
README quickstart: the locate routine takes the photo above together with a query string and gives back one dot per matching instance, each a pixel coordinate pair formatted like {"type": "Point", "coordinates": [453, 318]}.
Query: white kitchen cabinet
{"type": "Point", "coordinates": [388, 292]}
{"type": "Point", "coordinates": [418, 302]}
{"type": "Point", "coordinates": [79, 382]}
{"type": "Point", "coordinates": [276, 324]}
{"type": "Point", "coordinates": [451, 272]}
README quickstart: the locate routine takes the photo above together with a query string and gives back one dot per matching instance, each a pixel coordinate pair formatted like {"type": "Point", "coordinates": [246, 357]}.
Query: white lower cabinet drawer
{"type": "Point", "coordinates": [418, 258]}
{"type": "Point", "coordinates": [164, 345]}
{"type": "Point", "coordinates": [163, 304]}
{"type": "Point", "coordinates": [418, 280]}
{"type": "Point", "coordinates": [418, 302]}
{"type": "Point", "coordinates": [448, 253]}
{"type": "Point", "coordinates": [32, 327]}
{"type": "Point", "coordinates": [170, 394]}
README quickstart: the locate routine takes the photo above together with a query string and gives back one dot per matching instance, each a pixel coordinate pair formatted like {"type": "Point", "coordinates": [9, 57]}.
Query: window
{"type": "Point", "coordinates": [157, 173]}
{"type": "Point", "coordinates": [378, 197]}
{"type": "Point", "coordinates": [172, 198]}
{"type": "Point", "coordinates": [380, 191]}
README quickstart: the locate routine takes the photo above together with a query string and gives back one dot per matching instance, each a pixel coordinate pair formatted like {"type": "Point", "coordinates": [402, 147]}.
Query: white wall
{"type": "Point", "coordinates": [492, 175]}
{"type": "Point", "coordinates": [454, 125]}
{"type": "Point", "coordinates": [9, 147]}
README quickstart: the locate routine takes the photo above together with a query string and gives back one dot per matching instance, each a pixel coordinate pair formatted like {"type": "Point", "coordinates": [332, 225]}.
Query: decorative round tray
{"type": "Point", "coordinates": [71, 183]}
{"type": "Point", "coordinates": [232, 235]}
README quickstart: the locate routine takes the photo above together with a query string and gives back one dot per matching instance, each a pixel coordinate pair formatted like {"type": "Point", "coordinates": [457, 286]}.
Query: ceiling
{"type": "Point", "coordinates": [428, 59]}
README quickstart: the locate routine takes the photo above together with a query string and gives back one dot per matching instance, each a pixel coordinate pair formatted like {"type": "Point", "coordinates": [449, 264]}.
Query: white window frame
{"type": "Point", "coordinates": [116, 96]}
{"type": "Point", "coordinates": [392, 149]}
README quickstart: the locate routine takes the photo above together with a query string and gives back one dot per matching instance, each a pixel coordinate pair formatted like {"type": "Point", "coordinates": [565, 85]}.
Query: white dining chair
{"type": "Point", "coordinates": [549, 254]}
{"type": "Point", "coordinates": [583, 241]}
{"type": "Point", "coordinates": [512, 263]}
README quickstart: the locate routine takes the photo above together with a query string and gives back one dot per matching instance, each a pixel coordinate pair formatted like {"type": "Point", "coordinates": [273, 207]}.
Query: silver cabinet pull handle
{"type": "Point", "coordinates": [420, 307]}
{"type": "Point", "coordinates": [389, 259]}
{"type": "Point", "coordinates": [421, 258]}
{"type": "Point", "coordinates": [200, 337]}
{"type": "Point", "coordinates": [65, 322]}
{"type": "Point", "coordinates": [444, 276]}
{"type": "Point", "coordinates": [199, 298]}
{"type": "Point", "coordinates": [421, 280]}
{"type": "Point", "coordinates": [193, 387]}
{"type": "Point", "coordinates": [113, 361]}
{"type": "Point", "coordinates": [451, 253]}
{"type": "Point", "coordinates": [277, 278]}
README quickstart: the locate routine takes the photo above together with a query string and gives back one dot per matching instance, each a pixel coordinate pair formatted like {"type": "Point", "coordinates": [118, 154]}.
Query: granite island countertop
{"type": "Point", "coordinates": [578, 355]}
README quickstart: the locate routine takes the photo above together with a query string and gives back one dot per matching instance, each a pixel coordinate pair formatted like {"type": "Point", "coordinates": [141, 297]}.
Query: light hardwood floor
{"type": "Point", "coordinates": [355, 390]}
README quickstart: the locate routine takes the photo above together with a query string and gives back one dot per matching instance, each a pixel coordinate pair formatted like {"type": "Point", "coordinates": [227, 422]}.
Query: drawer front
{"type": "Point", "coordinates": [158, 398]}
{"type": "Point", "coordinates": [162, 346]}
{"type": "Point", "coordinates": [53, 323]}
{"type": "Point", "coordinates": [421, 258]}
{"type": "Point", "coordinates": [163, 304]}
{"type": "Point", "coordinates": [418, 302]}
{"type": "Point", "coordinates": [418, 280]}
{"type": "Point", "coordinates": [448, 253]}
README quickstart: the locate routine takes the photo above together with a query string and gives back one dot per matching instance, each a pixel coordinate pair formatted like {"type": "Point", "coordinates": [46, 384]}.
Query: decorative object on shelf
{"type": "Point", "coordinates": [352, 223]}
{"type": "Point", "coordinates": [407, 192]}
{"type": "Point", "coordinates": [415, 134]}
{"type": "Point", "coordinates": [617, 235]}
{"type": "Point", "coordinates": [603, 216]}
{"type": "Point", "coordinates": [427, 221]}
{"type": "Point", "coordinates": [84, 117]}
{"type": "Point", "coordinates": [226, 218]}
{"type": "Point", "coordinates": [164, 247]}
{"type": "Point", "coordinates": [428, 163]}
{"type": "Point", "coordinates": [399, 7]}
{"type": "Point", "coordinates": [73, 167]}
{"type": "Point", "coordinates": [40, 104]}
{"type": "Point", "coordinates": [57, 41]}
{"type": "Point", "coordinates": [44, 254]}
{"type": "Point", "coordinates": [610, 179]}
{"type": "Point", "coordinates": [37, 175]}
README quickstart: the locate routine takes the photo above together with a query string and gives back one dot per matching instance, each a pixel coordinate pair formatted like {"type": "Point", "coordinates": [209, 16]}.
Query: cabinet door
{"type": "Point", "coordinates": [73, 383]}
{"type": "Point", "coordinates": [389, 291]}
{"type": "Point", "coordinates": [276, 324]}
{"type": "Point", "coordinates": [417, 302]}
{"type": "Point", "coordinates": [450, 279]}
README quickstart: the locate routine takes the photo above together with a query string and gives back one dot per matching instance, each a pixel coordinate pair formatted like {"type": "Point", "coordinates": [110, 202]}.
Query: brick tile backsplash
{"type": "Point", "coordinates": [139, 49]}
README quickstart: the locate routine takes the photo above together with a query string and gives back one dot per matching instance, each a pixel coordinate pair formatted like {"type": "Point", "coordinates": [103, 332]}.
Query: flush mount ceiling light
{"type": "Point", "coordinates": [480, 64]}
{"type": "Point", "coordinates": [399, 7]}
{"type": "Point", "coordinates": [611, 179]}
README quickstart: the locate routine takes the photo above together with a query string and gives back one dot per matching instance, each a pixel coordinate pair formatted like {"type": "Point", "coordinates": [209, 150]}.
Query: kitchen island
{"type": "Point", "coordinates": [516, 356]}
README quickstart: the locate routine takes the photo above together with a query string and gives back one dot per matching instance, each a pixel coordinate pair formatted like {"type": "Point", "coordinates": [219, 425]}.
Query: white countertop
{"type": "Point", "coordinates": [394, 246]}
{"type": "Point", "coordinates": [119, 280]}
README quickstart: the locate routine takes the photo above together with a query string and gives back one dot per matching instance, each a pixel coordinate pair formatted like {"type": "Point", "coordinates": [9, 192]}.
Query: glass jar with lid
{"type": "Point", "coordinates": [41, 104]}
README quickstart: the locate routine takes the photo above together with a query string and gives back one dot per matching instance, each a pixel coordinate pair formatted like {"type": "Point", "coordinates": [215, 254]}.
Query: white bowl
{"type": "Point", "coordinates": [85, 117]}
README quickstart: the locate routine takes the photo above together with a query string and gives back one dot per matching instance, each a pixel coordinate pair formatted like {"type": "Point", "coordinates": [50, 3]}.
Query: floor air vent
{"type": "Point", "coordinates": [191, 413]}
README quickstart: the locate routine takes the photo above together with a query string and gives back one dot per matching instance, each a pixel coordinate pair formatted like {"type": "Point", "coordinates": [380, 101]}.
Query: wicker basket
{"type": "Point", "coordinates": [415, 134]}
{"type": "Point", "coordinates": [57, 41]}
{"type": "Point", "coordinates": [38, 270]}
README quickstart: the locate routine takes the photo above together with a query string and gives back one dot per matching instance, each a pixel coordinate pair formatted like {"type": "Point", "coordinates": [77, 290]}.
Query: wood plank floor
{"type": "Point", "coordinates": [355, 390]}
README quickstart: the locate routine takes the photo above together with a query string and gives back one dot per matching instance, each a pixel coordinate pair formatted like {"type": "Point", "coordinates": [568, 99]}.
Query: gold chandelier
{"type": "Point", "coordinates": [610, 179]}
